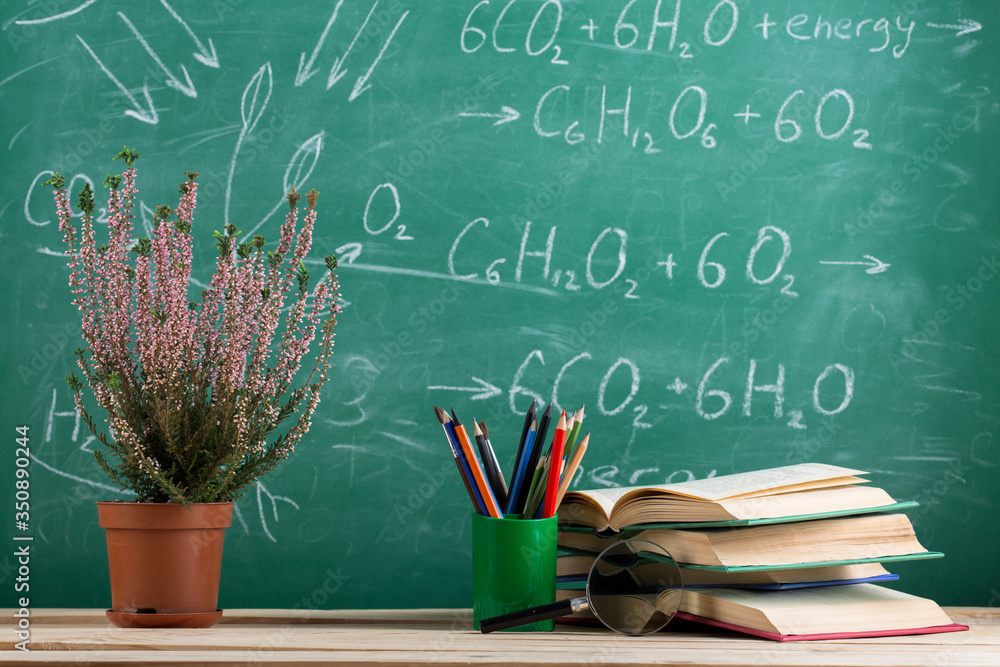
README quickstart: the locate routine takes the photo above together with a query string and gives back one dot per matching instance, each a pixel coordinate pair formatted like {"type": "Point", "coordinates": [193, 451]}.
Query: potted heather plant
{"type": "Point", "coordinates": [200, 399]}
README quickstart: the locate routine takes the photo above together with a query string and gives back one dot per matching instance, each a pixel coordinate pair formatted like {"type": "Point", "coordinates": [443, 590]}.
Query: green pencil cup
{"type": "Point", "coordinates": [513, 567]}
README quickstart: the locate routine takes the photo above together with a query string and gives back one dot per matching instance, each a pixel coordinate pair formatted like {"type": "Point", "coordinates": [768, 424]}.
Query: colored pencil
{"type": "Point", "coordinates": [463, 470]}
{"type": "Point", "coordinates": [529, 419]}
{"type": "Point", "coordinates": [555, 467]}
{"type": "Point", "coordinates": [571, 467]}
{"type": "Point", "coordinates": [490, 463]}
{"type": "Point", "coordinates": [535, 454]}
{"type": "Point", "coordinates": [492, 508]}
{"type": "Point", "coordinates": [537, 490]}
{"type": "Point", "coordinates": [517, 479]}
{"type": "Point", "coordinates": [536, 495]}
{"type": "Point", "coordinates": [574, 432]}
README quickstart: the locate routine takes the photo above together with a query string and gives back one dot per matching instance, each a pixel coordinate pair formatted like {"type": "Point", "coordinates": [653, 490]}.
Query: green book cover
{"type": "Point", "coordinates": [852, 561]}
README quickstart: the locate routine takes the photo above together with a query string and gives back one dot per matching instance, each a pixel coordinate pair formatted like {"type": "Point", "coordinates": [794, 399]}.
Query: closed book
{"type": "Point", "coordinates": [835, 612]}
{"type": "Point", "coordinates": [862, 538]}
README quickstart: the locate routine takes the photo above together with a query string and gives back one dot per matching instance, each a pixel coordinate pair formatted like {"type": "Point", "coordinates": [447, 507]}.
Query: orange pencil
{"type": "Point", "coordinates": [492, 508]}
{"type": "Point", "coordinates": [555, 466]}
{"type": "Point", "coordinates": [571, 467]}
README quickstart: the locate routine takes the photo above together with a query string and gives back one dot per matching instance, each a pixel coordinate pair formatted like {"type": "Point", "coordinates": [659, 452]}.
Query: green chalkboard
{"type": "Point", "coordinates": [743, 234]}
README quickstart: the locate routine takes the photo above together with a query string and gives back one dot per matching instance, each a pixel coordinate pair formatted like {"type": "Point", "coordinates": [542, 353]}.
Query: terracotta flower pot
{"type": "Point", "coordinates": [165, 562]}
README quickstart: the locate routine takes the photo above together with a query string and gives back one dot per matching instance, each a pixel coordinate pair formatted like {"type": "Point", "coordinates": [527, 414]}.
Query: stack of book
{"type": "Point", "coordinates": [787, 553]}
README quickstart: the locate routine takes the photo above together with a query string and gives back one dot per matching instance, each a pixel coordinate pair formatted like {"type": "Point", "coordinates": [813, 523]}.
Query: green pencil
{"type": "Point", "coordinates": [574, 432]}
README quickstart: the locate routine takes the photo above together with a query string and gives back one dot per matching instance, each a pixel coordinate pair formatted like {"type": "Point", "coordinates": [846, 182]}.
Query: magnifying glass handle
{"type": "Point", "coordinates": [532, 615]}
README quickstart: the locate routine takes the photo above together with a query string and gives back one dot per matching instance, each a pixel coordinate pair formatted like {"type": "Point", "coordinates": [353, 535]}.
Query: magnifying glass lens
{"type": "Point", "coordinates": [635, 587]}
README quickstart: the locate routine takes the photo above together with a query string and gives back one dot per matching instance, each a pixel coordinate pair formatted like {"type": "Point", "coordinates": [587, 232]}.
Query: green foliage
{"type": "Point", "coordinates": [56, 180]}
{"type": "Point", "coordinates": [129, 155]}
{"type": "Point", "coordinates": [87, 199]}
{"type": "Point", "coordinates": [302, 274]}
{"type": "Point", "coordinates": [143, 246]}
{"type": "Point", "coordinates": [187, 419]}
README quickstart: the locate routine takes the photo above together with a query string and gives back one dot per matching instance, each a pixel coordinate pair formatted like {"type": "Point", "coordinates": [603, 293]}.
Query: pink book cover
{"type": "Point", "coordinates": [953, 627]}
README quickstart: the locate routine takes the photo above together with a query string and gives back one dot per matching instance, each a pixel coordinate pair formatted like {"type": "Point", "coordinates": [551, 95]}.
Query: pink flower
{"type": "Point", "coordinates": [195, 393]}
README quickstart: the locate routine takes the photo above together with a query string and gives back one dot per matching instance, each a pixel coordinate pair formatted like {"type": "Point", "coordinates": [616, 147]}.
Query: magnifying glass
{"type": "Point", "coordinates": [634, 587]}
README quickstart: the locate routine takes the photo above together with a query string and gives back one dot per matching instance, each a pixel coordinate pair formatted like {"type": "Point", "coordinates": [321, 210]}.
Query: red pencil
{"type": "Point", "coordinates": [555, 464]}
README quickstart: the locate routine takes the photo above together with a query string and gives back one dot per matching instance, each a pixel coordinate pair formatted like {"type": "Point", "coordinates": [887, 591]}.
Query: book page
{"type": "Point", "coordinates": [759, 482]}
{"type": "Point", "coordinates": [606, 497]}
{"type": "Point", "coordinates": [772, 480]}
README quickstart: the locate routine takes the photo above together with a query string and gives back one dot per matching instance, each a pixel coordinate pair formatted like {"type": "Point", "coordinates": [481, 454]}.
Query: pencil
{"type": "Point", "coordinates": [571, 467]}
{"type": "Point", "coordinates": [490, 463]}
{"type": "Point", "coordinates": [537, 488]}
{"type": "Point", "coordinates": [492, 509]}
{"type": "Point", "coordinates": [453, 444]}
{"type": "Point", "coordinates": [529, 420]}
{"type": "Point", "coordinates": [574, 432]}
{"type": "Point", "coordinates": [517, 479]}
{"type": "Point", "coordinates": [555, 467]}
{"type": "Point", "coordinates": [543, 427]}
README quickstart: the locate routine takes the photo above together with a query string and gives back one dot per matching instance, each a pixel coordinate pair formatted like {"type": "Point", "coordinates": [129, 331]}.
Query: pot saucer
{"type": "Point", "coordinates": [124, 619]}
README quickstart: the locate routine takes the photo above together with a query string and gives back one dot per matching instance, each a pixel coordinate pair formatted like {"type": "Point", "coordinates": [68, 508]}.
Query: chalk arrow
{"type": "Point", "coordinates": [361, 85]}
{"type": "Point", "coordinates": [205, 56]}
{"type": "Point", "coordinates": [172, 80]}
{"type": "Point", "coordinates": [348, 253]}
{"type": "Point", "coordinates": [506, 115]}
{"type": "Point", "coordinates": [306, 70]}
{"type": "Point", "coordinates": [874, 265]}
{"type": "Point", "coordinates": [139, 113]}
{"type": "Point", "coordinates": [482, 391]}
{"type": "Point", "coordinates": [963, 26]}
{"type": "Point", "coordinates": [47, 19]}
{"type": "Point", "coordinates": [337, 71]}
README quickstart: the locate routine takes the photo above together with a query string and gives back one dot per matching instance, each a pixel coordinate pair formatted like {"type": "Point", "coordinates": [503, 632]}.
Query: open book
{"type": "Point", "coordinates": [857, 610]}
{"type": "Point", "coordinates": [868, 537]}
{"type": "Point", "coordinates": [800, 491]}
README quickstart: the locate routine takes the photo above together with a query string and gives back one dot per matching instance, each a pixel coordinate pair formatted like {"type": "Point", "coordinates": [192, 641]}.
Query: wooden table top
{"type": "Point", "coordinates": [445, 637]}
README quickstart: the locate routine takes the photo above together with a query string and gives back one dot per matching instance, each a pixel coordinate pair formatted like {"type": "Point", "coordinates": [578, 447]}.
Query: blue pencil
{"type": "Point", "coordinates": [463, 465]}
{"type": "Point", "coordinates": [518, 480]}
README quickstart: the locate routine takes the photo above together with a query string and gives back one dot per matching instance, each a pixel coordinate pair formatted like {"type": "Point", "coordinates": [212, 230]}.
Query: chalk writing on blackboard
{"type": "Point", "coordinates": [536, 32]}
